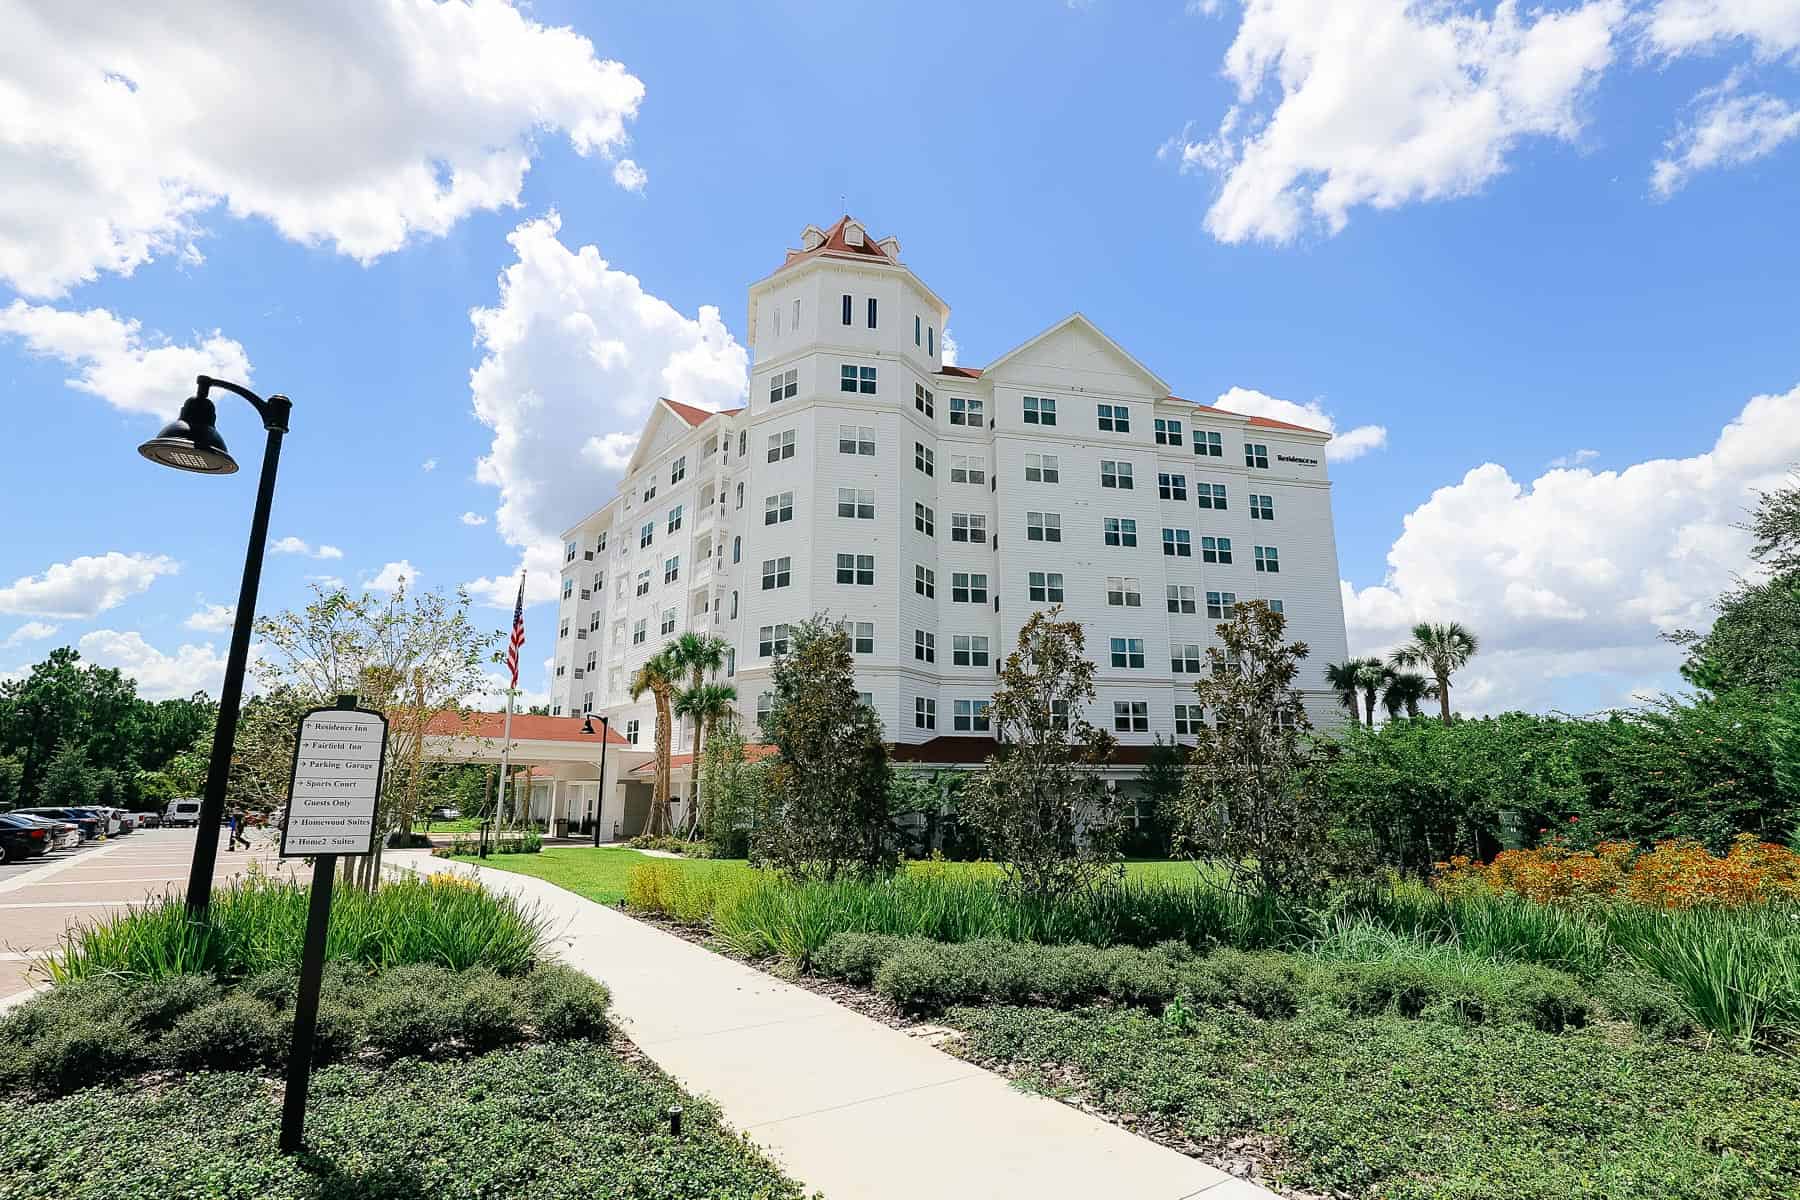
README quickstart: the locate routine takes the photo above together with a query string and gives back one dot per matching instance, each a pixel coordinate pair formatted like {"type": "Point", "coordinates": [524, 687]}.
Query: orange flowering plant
{"type": "Point", "coordinates": [1672, 874]}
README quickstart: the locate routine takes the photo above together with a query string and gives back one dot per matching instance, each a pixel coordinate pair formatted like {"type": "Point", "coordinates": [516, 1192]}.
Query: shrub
{"type": "Point", "coordinates": [565, 1004]}
{"type": "Point", "coordinates": [1737, 972]}
{"type": "Point", "coordinates": [237, 1033]}
{"type": "Point", "coordinates": [1263, 984]}
{"type": "Point", "coordinates": [160, 1003]}
{"type": "Point", "coordinates": [489, 1013]}
{"type": "Point", "coordinates": [407, 1021]}
{"type": "Point", "coordinates": [80, 1054]}
{"type": "Point", "coordinates": [921, 976]}
{"type": "Point", "coordinates": [854, 957]}
{"type": "Point", "coordinates": [1644, 1000]}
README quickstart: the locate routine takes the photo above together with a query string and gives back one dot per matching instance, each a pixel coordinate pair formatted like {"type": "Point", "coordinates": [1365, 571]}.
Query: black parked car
{"type": "Point", "coordinates": [22, 839]}
{"type": "Point", "coordinates": [92, 824]}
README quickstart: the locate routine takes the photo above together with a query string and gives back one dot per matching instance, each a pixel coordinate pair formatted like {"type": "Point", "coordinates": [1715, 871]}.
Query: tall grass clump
{"type": "Point", "coordinates": [257, 925]}
{"type": "Point", "coordinates": [1735, 970]}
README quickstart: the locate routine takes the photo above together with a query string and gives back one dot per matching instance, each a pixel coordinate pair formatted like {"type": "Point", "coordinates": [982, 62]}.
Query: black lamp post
{"type": "Point", "coordinates": [587, 726]}
{"type": "Point", "coordinates": [191, 442]}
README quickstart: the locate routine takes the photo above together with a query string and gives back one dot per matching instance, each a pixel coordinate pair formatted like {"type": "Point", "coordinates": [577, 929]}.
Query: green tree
{"type": "Point", "coordinates": [1442, 649]}
{"type": "Point", "coordinates": [1784, 750]}
{"type": "Point", "coordinates": [1754, 641]}
{"type": "Point", "coordinates": [826, 810]}
{"type": "Point", "coordinates": [1161, 781]}
{"type": "Point", "coordinates": [659, 675]}
{"type": "Point", "coordinates": [1041, 804]}
{"type": "Point", "coordinates": [1372, 678]}
{"type": "Point", "coordinates": [69, 780]}
{"type": "Point", "coordinates": [1252, 801]}
{"type": "Point", "coordinates": [735, 788]}
{"type": "Point", "coordinates": [12, 783]}
{"type": "Point", "coordinates": [701, 702]}
{"type": "Point", "coordinates": [1404, 691]}
{"type": "Point", "coordinates": [1341, 678]}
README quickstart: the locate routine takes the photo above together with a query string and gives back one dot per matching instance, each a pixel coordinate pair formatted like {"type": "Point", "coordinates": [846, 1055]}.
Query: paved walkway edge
{"type": "Point", "coordinates": [847, 1105]}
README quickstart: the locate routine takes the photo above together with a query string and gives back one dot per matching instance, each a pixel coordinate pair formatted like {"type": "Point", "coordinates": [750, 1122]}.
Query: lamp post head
{"type": "Point", "coordinates": [191, 442]}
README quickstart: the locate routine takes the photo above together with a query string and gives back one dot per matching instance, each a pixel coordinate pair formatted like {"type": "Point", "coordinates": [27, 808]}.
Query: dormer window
{"type": "Point", "coordinates": [853, 234]}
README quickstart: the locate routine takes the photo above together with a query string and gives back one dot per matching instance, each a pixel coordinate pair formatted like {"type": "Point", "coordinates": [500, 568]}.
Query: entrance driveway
{"type": "Point", "coordinates": [52, 894]}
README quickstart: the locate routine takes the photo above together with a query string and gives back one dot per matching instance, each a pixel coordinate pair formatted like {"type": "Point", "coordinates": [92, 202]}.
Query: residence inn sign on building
{"type": "Point", "coordinates": [933, 508]}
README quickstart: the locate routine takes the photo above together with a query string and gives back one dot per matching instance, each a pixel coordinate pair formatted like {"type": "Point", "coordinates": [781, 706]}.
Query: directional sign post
{"type": "Point", "coordinates": [332, 798]}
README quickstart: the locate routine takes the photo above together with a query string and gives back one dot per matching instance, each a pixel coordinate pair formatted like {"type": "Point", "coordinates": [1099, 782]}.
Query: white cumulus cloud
{"type": "Point", "coordinates": [1344, 446]}
{"type": "Point", "coordinates": [30, 631]}
{"type": "Point", "coordinates": [85, 586]}
{"type": "Point", "coordinates": [473, 518]}
{"type": "Point", "coordinates": [360, 124]}
{"type": "Point", "coordinates": [629, 175]}
{"type": "Point", "coordinates": [391, 576]}
{"type": "Point", "coordinates": [159, 676]}
{"type": "Point", "coordinates": [575, 354]}
{"type": "Point", "coordinates": [212, 618]}
{"type": "Point", "coordinates": [1387, 102]}
{"type": "Point", "coordinates": [1728, 131]}
{"type": "Point", "coordinates": [294, 545]}
{"type": "Point", "coordinates": [1772, 27]}
{"type": "Point", "coordinates": [1579, 572]}
{"type": "Point", "coordinates": [115, 360]}
{"type": "Point", "coordinates": [1577, 459]}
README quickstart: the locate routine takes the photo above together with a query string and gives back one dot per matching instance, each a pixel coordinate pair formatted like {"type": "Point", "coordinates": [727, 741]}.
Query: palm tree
{"type": "Point", "coordinates": [1341, 678]}
{"type": "Point", "coordinates": [1404, 691]}
{"type": "Point", "coordinates": [658, 676]}
{"type": "Point", "coordinates": [1372, 676]}
{"type": "Point", "coordinates": [699, 654]}
{"type": "Point", "coordinates": [1442, 649]}
{"type": "Point", "coordinates": [705, 705]}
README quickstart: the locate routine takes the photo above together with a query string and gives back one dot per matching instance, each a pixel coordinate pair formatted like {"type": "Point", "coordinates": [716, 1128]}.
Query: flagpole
{"type": "Point", "coordinates": [516, 640]}
{"type": "Point", "coordinates": [505, 753]}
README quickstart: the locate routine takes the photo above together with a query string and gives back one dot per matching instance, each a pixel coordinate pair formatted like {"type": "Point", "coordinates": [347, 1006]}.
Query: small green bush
{"type": "Point", "coordinates": [1144, 977]}
{"type": "Point", "coordinates": [854, 957]}
{"type": "Point", "coordinates": [160, 1003]}
{"type": "Point", "coordinates": [489, 1013]}
{"type": "Point", "coordinates": [921, 976]}
{"type": "Point", "coordinates": [1644, 1000]}
{"type": "Point", "coordinates": [1264, 984]}
{"type": "Point", "coordinates": [565, 1004]}
{"type": "Point", "coordinates": [80, 1054]}
{"type": "Point", "coordinates": [401, 1022]}
{"type": "Point", "coordinates": [236, 1033]}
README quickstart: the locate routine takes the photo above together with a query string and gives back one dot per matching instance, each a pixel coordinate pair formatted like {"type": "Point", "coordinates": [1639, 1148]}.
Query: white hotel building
{"type": "Point", "coordinates": [933, 508]}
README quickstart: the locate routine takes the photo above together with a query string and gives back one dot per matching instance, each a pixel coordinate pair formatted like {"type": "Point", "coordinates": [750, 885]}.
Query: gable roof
{"type": "Point", "coordinates": [1259, 422]}
{"type": "Point", "coordinates": [836, 246]}
{"type": "Point", "coordinates": [961, 372]}
{"type": "Point", "coordinates": [525, 727]}
{"type": "Point", "coordinates": [1082, 321]}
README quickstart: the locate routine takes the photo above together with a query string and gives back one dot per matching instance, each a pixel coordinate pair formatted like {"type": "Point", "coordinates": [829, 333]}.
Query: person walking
{"type": "Point", "coordinates": [237, 830]}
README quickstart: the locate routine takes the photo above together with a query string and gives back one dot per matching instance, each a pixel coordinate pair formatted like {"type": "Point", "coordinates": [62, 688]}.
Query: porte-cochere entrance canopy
{"type": "Point", "coordinates": [555, 764]}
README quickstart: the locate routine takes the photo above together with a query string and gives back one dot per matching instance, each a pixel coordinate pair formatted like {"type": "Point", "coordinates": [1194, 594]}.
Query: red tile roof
{"type": "Point", "coordinates": [961, 372]}
{"type": "Point", "coordinates": [688, 413]}
{"type": "Point", "coordinates": [835, 245]}
{"type": "Point", "coordinates": [753, 752]}
{"type": "Point", "coordinates": [1259, 422]}
{"type": "Point", "coordinates": [525, 727]}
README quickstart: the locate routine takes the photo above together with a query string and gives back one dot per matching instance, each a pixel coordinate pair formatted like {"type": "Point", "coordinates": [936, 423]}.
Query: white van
{"type": "Point", "coordinates": [182, 812]}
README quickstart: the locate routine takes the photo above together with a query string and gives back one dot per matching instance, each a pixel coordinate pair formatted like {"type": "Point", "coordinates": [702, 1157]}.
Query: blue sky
{"type": "Point", "coordinates": [1448, 222]}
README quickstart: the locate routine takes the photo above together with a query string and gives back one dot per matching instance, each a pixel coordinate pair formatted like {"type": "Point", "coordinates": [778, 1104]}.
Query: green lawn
{"type": "Point", "coordinates": [460, 825]}
{"type": "Point", "coordinates": [600, 874]}
{"type": "Point", "coordinates": [1409, 1109]}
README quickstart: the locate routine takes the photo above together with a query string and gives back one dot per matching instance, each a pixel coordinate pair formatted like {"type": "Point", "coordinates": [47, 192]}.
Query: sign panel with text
{"type": "Point", "coordinates": [336, 783]}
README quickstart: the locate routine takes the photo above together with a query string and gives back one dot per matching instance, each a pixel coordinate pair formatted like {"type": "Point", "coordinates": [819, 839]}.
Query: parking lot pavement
{"type": "Point", "coordinates": [52, 894]}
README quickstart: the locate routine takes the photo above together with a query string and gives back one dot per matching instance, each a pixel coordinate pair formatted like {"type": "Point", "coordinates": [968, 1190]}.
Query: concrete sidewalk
{"type": "Point", "coordinates": [847, 1105]}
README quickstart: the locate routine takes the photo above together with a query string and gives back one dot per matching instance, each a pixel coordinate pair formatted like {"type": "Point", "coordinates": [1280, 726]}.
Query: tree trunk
{"type": "Point", "coordinates": [1444, 697]}
{"type": "Point", "coordinates": [659, 798]}
{"type": "Point", "coordinates": [694, 778]}
{"type": "Point", "coordinates": [1369, 708]}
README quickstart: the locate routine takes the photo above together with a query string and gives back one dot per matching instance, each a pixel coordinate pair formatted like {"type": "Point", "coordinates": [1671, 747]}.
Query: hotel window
{"type": "Point", "coordinates": [594, 623]}
{"type": "Point", "coordinates": [731, 651]}
{"type": "Point", "coordinates": [1168, 432]}
{"type": "Point", "coordinates": [856, 503]}
{"type": "Point", "coordinates": [1040, 410]}
{"type": "Point", "coordinates": [599, 582]}
{"type": "Point", "coordinates": [678, 470]}
{"type": "Point", "coordinates": [796, 325]}
{"type": "Point", "coordinates": [871, 312]}
{"type": "Point", "coordinates": [569, 551]}
{"type": "Point", "coordinates": [924, 646]}
{"type": "Point", "coordinates": [777, 573]}
{"type": "Point", "coordinates": [1131, 716]}
{"type": "Point", "coordinates": [1267, 559]}
{"type": "Point", "coordinates": [650, 492]}
{"type": "Point", "coordinates": [930, 341]}
{"type": "Point", "coordinates": [643, 582]}
{"type": "Point", "coordinates": [1115, 474]}
{"type": "Point", "coordinates": [568, 588]}
{"type": "Point", "coordinates": [734, 606]}
{"type": "Point", "coordinates": [968, 468]}
{"type": "Point", "coordinates": [1210, 495]}
{"type": "Point", "coordinates": [1181, 598]}
{"type": "Point", "coordinates": [587, 702]}
{"type": "Point", "coordinates": [1045, 587]}
{"type": "Point", "coordinates": [856, 439]}
{"type": "Point", "coordinates": [668, 621]}
{"type": "Point", "coordinates": [672, 569]}
{"type": "Point", "coordinates": [1120, 531]}
{"type": "Point", "coordinates": [923, 459]}
{"type": "Point", "coordinates": [601, 546]}
{"type": "Point", "coordinates": [1176, 543]}
{"type": "Point", "coordinates": [564, 631]}
{"type": "Point", "coordinates": [778, 508]}
{"type": "Point", "coordinates": [1059, 715]}
{"type": "Point", "coordinates": [1275, 606]}
{"type": "Point", "coordinates": [862, 641]}
{"type": "Point", "coordinates": [1042, 468]}
{"type": "Point", "coordinates": [968, 527]}
{"type": "Point", "coordinates": [1043, 527]}
{"type": "Point", "coordinates": [1128, 653]}
{"type": "Point", "coordinates": [743, 442]}
{"type": "Point", "coordinates": [631, 731]}
{"type": "Point", "coordinates": [847, 309]}
{"type": "Point", "coordinates": [771, 640]}
{"type": "Point", "coordinates": [1256, 455]}
{"type": "Point", "coordinates": [969, 650]}
{"type": "Point", "coordinates": [924, 713]}
{"type": "Point", "coordinates": [856, 569]}
{"type": "Point", "coordinates": [1221, 606]}
{"type": "Point", "coordinates": [923, 400]}
{"type": "Point", "coordinates": [967, 588]}
{"type": "Point", "coordinates": [1114, 418]}
{"type": "Point", "coordinates": [675, 518]}
{"type": "Point", "coordinates": [737, 548]}
{"type": "Point", "coordinates": [1184, 658]}
{"type": "Point", "coordinates": [1209, 444]}
{"type": "Point", "coordinates": [971, 716]}
{"type": "Point", "coordinates": [966, 412]}
{"type": "Point", "coordinates": [781, 445]}
{"type": "Point", "coordinates": [647, 534]}
{"type": "Point", "coordinates": [783, 385]}
{"type": "Point", "coordinates": [1262, 508]}
{"type": "Point", "coordinates": [925, 582]}
{"type": "Point", "coordinates": [918, 330]}
{"type": "Point", "coordinates": [1171, 485]}
{"type": "Point", "coordinates": [740, 493]}
{"type": "Point", "coordinates": [1122, 591]}
{"type": "Point", "coordinates": [1215, 549]}
{"type": "Point", "coordinates": [765, 707]}
{"type": "Point", "coordinates": [924, 520]}
{"type": "Point", "coordinates": [640, 630]}
{"type": "Point", "coordinates": [1188, 719]}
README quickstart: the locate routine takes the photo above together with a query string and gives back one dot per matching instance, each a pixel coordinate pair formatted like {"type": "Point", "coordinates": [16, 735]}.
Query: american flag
{"type": "Point", "coordinates": [518, 633]}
